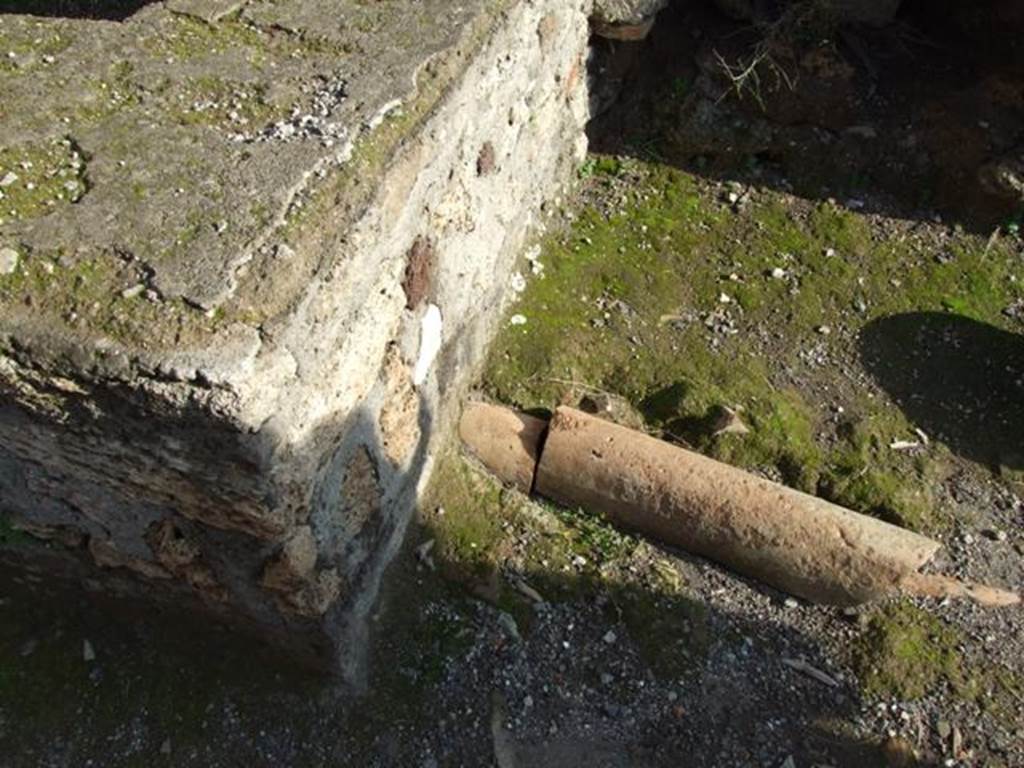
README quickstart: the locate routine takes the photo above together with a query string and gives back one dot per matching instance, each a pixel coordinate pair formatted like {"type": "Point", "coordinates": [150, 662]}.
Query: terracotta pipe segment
{"type": "Point", "coordinates": [508, 443]}
{"type": "Point", "coordinates": [795, 542]}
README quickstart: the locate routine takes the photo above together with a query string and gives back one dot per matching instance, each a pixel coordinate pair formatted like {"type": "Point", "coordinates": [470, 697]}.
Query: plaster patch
{"type": "Point", "coordinates": [430, 343]}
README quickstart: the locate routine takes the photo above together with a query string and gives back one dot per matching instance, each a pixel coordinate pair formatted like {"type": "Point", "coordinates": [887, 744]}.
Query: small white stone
{"type": "Point", "coordinates": [824, 330]}
{"type": "Point", "coordinates": [778, 273]}
{"type": "Point", "coordinates": [724, 298]}
{"type": "Point", "coordinates": [9, 178]}
{"type": "Point", "coordinates": [88, 652]}
{"type": "Point", "coordinates": [517, 320]}
{"type": "Point", "coordinates": [610, 637]}
{"type": "Point", "coordinates": [518, 282]}
{"type": "Point", "coordinates": [8, 261]}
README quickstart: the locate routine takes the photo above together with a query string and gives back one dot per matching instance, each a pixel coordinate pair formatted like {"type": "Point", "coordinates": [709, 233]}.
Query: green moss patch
{"type": "Point", "coordinates": [660, 292]}
{"type": "Point", "coordinates": [487, 536]}
{"type": "Point", "coordinates": [31, 47]}
{"type": "Point", "coordinates": [214, 101]}
{"type": "Point", "coordinates": [36, 178]}
{"type": "Point", "coordinates": [864, 474]}
{"type": "Point", "coordinates": [188, 38]}
{"type": "Point", "coordinates": [905, 653]}
{"type": "Point", "coordinates": [103, 292]}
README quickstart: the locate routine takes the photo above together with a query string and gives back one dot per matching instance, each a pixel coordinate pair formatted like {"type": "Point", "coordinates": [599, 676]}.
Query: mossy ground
{"type": "Point", "coordinates": [29, 47]}
{"type": "Point", "coordinates": [660, 292]}
{"type": "Point", "coordinates": [489, 537]}
{"type": "Point", "coordinates": [667, 297]}
{"type": "Point", "coordinates": [36, 178]}
{"type": "Point", "coordinates": [906, 653]}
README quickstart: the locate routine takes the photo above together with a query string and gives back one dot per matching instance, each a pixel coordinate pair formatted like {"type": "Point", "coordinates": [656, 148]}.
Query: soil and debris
{"type": "Point", "coordinates": [850, 335]}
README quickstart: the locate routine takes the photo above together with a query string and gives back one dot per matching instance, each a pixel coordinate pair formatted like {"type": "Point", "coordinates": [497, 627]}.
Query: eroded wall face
{"type": "Point", "coordinates": [148, 485]}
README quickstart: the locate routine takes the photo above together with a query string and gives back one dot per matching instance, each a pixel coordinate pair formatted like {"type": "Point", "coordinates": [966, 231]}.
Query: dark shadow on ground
{"type": "Point", "coordinates": [162, 683]}
{"type": "Point", "coordinates": [109, 10]}
{"type": "Point", "coordinates": [960, 380]}
{"type": "Point", "coordinates": [912, 120]}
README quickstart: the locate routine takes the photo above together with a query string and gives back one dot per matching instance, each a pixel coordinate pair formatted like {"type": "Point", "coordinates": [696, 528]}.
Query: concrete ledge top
{"type": "Point", "coordinates": [183, 172]}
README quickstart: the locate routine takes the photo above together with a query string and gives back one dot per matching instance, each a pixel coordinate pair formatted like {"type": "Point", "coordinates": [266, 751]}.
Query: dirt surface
{"type": "Point", "coordinates": [869, 342]}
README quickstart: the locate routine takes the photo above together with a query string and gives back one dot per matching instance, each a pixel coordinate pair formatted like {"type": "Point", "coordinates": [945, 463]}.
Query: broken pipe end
{"type": "Point", "coordinates": [508, 443]}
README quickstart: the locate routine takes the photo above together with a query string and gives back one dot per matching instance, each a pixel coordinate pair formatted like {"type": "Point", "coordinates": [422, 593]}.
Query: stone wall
{"type": "Point", "coordinates": [264, 471]}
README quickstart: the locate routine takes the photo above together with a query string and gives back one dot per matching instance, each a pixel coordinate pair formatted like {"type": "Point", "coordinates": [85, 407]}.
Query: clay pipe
{"type": "Point", "coordinates": [790, 540]}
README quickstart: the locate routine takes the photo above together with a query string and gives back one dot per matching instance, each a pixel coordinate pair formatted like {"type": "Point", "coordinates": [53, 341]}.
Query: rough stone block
{"type": "Point", "coordinates": [252, 253]}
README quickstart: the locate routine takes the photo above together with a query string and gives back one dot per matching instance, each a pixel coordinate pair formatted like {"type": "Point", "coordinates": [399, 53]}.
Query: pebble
{"type": "Point", "coordinates": [8, 261]}
{"type": "Point", "coordinates": [136, 290]}
{"type": "Point", "coordinates": [88, 652]}
{"type": "Point", "coordinates": [824, 330]}
{"type": "Point", "coordinates": [778, 273]}
{"type": "Point", "coordinates": [517, 320]}
{"type": "Point", "coordinates": [610, 637]}
{"type": "Point", "coordinates": [509, 625]}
